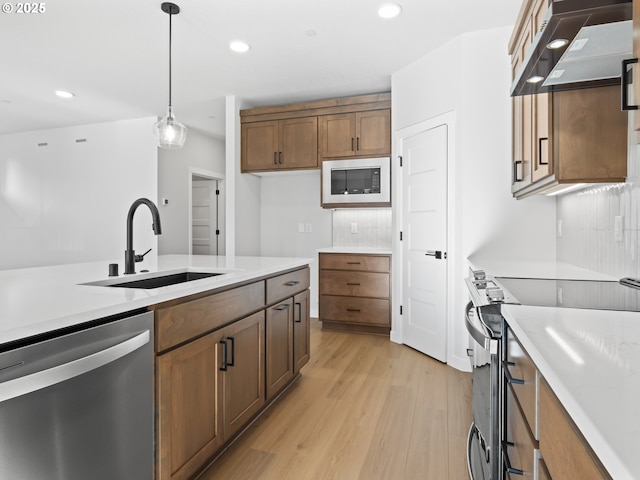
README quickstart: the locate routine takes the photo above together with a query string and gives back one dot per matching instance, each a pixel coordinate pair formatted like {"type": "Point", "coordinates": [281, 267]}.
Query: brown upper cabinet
{"type": "Point", "coordinates": [356, 134]}
{"type": "Point", "coordinates": [280, 144]}
{"type": "Point", "coordinates": [562, 138]}
{"type": "Point", "coordinates": [298, 136]}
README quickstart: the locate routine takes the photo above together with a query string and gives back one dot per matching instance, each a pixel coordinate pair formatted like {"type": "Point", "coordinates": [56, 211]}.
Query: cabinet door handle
{"type": "Point", "coordinates": [299, 320]}
{"type": "Point", "coordinates": [516, 166]}
{"type": "Point", "coordinates": [232, 363]}
{"type": "Point", "coordinates": [353, 284]}
{"type": "Point", "coordinates": [352, 144]}
{"type": "Point", "coordinates": [542, 141]}
{"type": "Point", "coordinates": [357, 143]}
{"type": "Point", "coordinates": [275, 158]}
{"type": "Point", "coordinates": [292, 283]}
{"type": "Point", "coordinates": [282, 307]}
{"type": "Point", "coordinates": [353, 309]}
{"type": "Point", "coordinates": [280, 157]}
{"type": "Point", "coordinates": [626, 76]}
{"type": "Point", "coordinates": [224, 356]}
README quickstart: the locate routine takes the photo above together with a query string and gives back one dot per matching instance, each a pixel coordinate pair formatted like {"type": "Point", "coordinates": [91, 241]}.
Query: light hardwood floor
{"type": "Point", "coordinates": [364, 409]}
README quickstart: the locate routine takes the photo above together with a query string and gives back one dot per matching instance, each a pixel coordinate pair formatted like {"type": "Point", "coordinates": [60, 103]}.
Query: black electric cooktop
{"type": "Point", "coordinates": [589, 294]}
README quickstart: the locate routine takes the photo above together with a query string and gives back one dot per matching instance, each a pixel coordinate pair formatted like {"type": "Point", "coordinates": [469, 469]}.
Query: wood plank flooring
{"type": "Point", "coordinates": [364, 409]}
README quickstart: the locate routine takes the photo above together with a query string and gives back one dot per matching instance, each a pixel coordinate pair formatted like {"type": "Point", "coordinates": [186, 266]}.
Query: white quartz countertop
{"type": "Point", "coordinates": [591, 360]}
{"type": "Point", "coordinates": [360, 250]}
{"type": "Point", "coordinates": [535, 269]}
{"type": "Point", "coordinates": [38, 300]}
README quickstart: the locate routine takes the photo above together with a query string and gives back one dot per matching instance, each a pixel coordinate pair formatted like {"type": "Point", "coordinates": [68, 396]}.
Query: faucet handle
{"type": "Point", "coordinates": [139, 258]}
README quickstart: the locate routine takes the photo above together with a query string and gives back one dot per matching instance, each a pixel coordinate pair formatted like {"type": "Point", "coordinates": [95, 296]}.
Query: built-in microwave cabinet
{"type": "Point", "coordinates": [562, 138]}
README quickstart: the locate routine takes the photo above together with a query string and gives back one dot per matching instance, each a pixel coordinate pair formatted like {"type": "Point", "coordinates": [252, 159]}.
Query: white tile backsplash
{"type": "Point", "coordinates": [373, 227]}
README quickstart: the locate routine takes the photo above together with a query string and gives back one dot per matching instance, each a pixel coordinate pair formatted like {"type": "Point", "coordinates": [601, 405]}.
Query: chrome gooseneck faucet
{"type": "Point", "coordinates": [130, 257]}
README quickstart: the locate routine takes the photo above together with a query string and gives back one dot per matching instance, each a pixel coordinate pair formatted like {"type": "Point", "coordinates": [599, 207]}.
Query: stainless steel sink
{"type": "Point", "coordinates": [156, 281]}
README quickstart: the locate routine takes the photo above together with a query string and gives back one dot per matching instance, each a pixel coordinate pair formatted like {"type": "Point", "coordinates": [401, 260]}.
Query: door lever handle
{"type": "Point", "coordinates": [436, 253]}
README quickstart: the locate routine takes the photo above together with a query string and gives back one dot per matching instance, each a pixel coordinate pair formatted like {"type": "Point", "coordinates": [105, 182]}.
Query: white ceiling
{"type": "Point", "coordinates": [114, 55]}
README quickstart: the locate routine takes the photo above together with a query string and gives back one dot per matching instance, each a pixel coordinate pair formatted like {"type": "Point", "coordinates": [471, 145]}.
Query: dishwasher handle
{"type": "Point", "coordinates": [60, 373]}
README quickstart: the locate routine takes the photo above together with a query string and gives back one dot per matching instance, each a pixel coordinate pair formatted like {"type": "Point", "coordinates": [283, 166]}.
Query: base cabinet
{"type": "Point", "coordinates": [220, 358]}
{"type": "Point", "coordinates": [355, 292]}
{"type": "Point", "coordinates": [190, 405]}
{"type": "Point", "coordinates": [279, 346]}
{"type": "Point", "coordinates": [301, 330]}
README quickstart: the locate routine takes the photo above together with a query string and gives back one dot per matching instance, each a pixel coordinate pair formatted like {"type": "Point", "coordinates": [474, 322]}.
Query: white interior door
{"type": "Point", "coordinates": [204, 240]}
{"type": "Point", "coordinates": [424, 244]}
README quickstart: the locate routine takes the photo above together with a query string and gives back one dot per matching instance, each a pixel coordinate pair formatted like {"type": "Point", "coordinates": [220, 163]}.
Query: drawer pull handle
{"type": "Point", "coordinates": [353, 284]}
{"type": "Point", "coordinates": [292, 283]}
{"type": "Point", "coordinates": [353, 263]}
{"type": "Point", "coordinates": [282, 307]}
{"type": "Point", "coordinates": [353, 309]}
{"type": "Point", "coordinates": [510, 379]}
{"type": "Point", "coordinates": [507, 463]}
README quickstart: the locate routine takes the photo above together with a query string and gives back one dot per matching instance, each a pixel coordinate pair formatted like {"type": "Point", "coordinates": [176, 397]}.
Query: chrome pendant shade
{"type": "Point", "coordinates": [170, 133]}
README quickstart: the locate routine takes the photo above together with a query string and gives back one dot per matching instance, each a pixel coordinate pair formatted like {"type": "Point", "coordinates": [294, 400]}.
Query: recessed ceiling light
{"type": "Point", "coordinates": [64, 94]}
{"type": "Point", "coordinates": [310, 32]}
{"type": "Point", "coordinates": [557, 43]}
{"type": "Point", "coordinates": [239, 46]}
{"type": "Point", "coordinates": [535, 79]}
{"type": "Point", "coordinates": [389, 10]}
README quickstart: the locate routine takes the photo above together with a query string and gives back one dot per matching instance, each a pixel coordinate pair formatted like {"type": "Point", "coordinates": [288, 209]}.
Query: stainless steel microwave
{"type": "Point", "coordinates": [356, 182]}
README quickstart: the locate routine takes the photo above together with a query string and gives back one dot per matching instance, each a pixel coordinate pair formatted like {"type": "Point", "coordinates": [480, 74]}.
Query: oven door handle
{"type": "Point", "coordinates": [480, 337]}
{"type": "Point", "coordinates": [472, 431]}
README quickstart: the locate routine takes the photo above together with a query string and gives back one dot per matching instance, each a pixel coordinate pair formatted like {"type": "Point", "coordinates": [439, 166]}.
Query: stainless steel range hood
{"type": "Point", "coordinates": [599, 37]}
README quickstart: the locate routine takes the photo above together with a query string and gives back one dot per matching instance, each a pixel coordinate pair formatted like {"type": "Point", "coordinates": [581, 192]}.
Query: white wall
{"type": "Point", "coordinates": [67, 201]}
{"type": "Point", "coordinates": [200, 152]}
{"type": "Point", "coordinates": [286, 201]}
{"type": "Point", "coordinates": [243, 190]}
{"type": "Point", "coordinates": [469, 76]}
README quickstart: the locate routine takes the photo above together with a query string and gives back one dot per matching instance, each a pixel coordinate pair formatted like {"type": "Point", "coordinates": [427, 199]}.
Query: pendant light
{"type": "Point", "coordinates": [169, 132]}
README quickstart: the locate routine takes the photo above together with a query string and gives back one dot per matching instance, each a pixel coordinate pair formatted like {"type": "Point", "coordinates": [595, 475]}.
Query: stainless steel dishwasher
{"type": "Point", "coordinates": [80, 405]}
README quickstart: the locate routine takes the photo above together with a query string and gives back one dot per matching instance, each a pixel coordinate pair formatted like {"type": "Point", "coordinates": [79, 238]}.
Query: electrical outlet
{"type": "Point", "coordinates": [618, 225]}
{"type": "Point", "coordinates": [307, 228]}
{"type": "Point", "coordinates": [301, 228]}
{"type": "Point", "coordinates": [354, 227]}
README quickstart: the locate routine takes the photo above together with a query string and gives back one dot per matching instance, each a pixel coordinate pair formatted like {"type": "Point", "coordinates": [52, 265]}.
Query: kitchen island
{"type": "Point", "coordinates": [224, 347]}
{"type": "Point", "coordinates": [591, 361]}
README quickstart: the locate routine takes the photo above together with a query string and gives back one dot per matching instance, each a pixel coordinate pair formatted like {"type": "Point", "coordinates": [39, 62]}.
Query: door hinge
{"type": "Point", "coordinates": [400, 158]}
{"type": "Point", "coordinates": [400, 236]}
{"type": "Point", "coordinates": [400, 309]}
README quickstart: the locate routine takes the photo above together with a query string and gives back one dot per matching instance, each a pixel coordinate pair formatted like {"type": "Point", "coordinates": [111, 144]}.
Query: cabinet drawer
{"type": "Point", "coordinates": [565, 452]}
{"type": "Point", "coordinates": [287, 285]}
{"type": "Point", "coordinates": [370, 311]}
{"type": "Point", "coordinates": [521, 369]}
{"type": "Point", "coordinates": [339, 261]}
{"type": "Point", "coordinates": [356, 284]}
{"type": "Point", "coordinates": [182, 322]}
{"type": "Point", "coordinates": [520, 450]}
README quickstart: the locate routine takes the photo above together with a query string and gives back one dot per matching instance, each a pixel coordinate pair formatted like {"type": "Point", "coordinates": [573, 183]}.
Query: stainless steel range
{"type": "Point", "coordinates": [487, 328]}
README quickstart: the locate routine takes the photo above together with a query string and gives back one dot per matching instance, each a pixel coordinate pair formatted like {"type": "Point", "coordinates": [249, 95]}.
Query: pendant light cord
{"type": "Point", "coordinates": [170, 15]}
